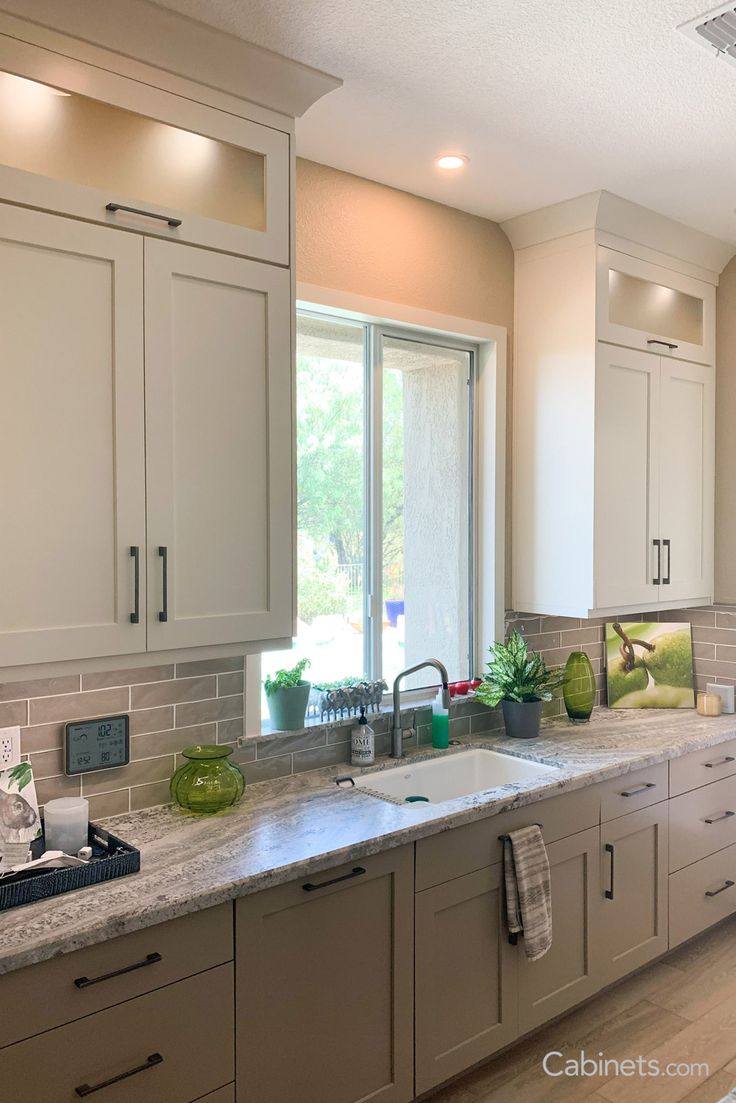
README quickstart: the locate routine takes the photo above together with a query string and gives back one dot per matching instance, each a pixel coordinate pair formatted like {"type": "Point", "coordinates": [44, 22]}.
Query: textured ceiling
{"type": "Point", "coordinates": [548, 98]}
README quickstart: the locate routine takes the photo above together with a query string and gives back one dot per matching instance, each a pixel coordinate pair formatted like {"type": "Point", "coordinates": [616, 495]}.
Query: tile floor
{"type": "Point", "coordinates": [680, 1009]}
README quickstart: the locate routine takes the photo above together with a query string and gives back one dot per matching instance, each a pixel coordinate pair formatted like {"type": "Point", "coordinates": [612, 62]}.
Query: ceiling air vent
{"type": "Point", "coordinates": [716, 30]}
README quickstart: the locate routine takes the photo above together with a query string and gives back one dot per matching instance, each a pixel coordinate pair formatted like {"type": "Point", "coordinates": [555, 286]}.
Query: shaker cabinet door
{"type": "Point", "coordinates": [72, 491]}
{"type": "Point", "coordinates": [324, 986]}
{"type": "Point", "coordinates": [466, 993]}
{"type": "Point", "coordinates": [686, 480]}
{"type": "Point", "coordinates": [627, 561]}
{"type": "Point", "coordinates": [218, 448]}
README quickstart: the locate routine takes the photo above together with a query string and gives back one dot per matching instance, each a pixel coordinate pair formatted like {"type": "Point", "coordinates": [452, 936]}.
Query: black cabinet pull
{"type": "Point", "coordinates": [716, 892]}
{"type": "Point", "coordinates": [113, 207]}
{"type": "Point", "coordinates": [164, 554]}
{"type": "Point", "coordinates": [135, 552]}
{"type": "Point", "coordinates": [720, 762]}
{"type": "Point", "coordinates": [668, 545]}
{"type": "Point", "coordinates": [642, 789]}
{"type": "Point", "coordinates": [610, 850]}
{"type": "Point", "coordinates": [149, 1063]}
{"type": "Point", "coordinates": [656, 581]}
{"type": "Point", "coordinates": [85, 982]}
{"type": "Point", "coordinates": [357, 871]}
{"type": "Point", "coordinates": [667, 344]}
{"type": "Point", "coordinates": [717, 819]}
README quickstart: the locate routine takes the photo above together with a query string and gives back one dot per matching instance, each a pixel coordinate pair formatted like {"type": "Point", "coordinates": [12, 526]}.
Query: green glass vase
{"type": "Point", "coordinates": [578, 687]}
{"type": "Point", "coordinates": [207, 782]}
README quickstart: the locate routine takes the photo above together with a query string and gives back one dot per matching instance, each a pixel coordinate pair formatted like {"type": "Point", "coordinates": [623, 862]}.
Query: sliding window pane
{"type": "Point", "coordinates": [330, 502]}
{"type": "Point", "coordinates": [426, 515]}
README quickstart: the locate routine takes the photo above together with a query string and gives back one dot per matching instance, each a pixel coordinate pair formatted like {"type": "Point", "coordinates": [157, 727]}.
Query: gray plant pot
{"type": "Point", "coordinates": [288, 707]}
{"type": "Point", "coordinates": [522, 718]}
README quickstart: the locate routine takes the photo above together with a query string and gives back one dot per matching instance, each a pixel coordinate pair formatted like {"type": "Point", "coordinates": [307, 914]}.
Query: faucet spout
{"type": "Point", "coordinates": [397, 738]}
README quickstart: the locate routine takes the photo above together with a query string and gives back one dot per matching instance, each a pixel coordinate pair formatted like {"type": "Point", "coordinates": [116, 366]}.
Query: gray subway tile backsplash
{"type": "Point", "coordinates": [172, 707]}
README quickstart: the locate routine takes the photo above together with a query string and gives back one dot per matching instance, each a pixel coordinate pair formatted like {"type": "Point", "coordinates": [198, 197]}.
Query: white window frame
{"type": "Point", "coordinates": [488, 553]}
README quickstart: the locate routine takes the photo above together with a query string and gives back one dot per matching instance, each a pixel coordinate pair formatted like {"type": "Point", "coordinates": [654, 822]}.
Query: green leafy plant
{"type": "Point", "coordinates": [517, 674]}
{"type": "Point", "coordinates": [285, 679]}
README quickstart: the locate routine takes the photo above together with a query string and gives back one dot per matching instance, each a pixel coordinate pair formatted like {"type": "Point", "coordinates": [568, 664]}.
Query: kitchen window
{"type": "Point", "coordinates": [384, 501]}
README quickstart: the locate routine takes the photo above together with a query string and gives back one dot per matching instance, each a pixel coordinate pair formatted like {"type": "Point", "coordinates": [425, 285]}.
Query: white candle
{"type": "Point", "coordinates": [65, 824]}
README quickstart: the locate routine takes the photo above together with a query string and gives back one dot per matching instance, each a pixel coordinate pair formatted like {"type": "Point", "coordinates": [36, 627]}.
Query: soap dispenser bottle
{"type": "Point", "coordinates": [440, 724]}
{"type": "Point", "coordinates": [362, 743]}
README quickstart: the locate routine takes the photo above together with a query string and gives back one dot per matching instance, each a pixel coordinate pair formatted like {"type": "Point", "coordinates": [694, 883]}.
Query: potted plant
{"type": "Point", "coordinates": [288, 695]}
{"type": "Point", "coordinates": [520, 681]}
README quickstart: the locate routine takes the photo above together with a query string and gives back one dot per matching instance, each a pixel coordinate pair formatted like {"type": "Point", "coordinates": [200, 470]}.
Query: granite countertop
{"type": "Point", "coordinates": [303, 824]}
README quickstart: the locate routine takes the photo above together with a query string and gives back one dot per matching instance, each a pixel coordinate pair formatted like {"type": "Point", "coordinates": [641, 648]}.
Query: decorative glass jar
{"type": "Point", "coordinates": [207, 782]}
{"type": "Point", "coordinates": [578, 687]}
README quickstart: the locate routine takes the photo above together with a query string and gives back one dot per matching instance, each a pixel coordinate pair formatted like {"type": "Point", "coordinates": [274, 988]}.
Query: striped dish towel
{"type": "Point", "coordinates": [528, 891]}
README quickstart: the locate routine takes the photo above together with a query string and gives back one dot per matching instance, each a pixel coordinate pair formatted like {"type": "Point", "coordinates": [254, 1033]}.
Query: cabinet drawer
{"type": "Point", "coordinates": [476, 845]}
{"type": "Point", "coordinates": [632, 791]}
{"type": "Point", "coordinates": [51, 993]}
{"type": "Point", "coordinates": [175, 1044]}
{"type": "Point", "coordinates": [702, 822]}
{"type": "Point", "coordinates": [222, 1095]}
{"type": "Point", "coordinates": [702, 767]}
{"type": "Point", "coordinates": [691, 908]}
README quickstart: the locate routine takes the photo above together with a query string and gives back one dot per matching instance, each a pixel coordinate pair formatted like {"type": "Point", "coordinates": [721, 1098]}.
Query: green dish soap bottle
{"type": "Point", "coordinates": [440, 724]}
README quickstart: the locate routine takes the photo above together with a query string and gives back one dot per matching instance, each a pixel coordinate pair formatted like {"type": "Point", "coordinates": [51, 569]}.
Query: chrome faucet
{"type": "Point", "coordinates": [397, 737]}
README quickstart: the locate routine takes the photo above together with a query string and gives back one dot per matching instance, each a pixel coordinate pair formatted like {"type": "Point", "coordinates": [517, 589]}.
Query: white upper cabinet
{"type": "Point", "coordinates": [110, 150]}
{"type": "Point", "coordinates": [218, 456]}
{"type": "Point", "coordinates": [614, 434]}
{"type": "Point", "coordinates": [643, 305]}
{"type": "Point", "coordinates": [72, 486]}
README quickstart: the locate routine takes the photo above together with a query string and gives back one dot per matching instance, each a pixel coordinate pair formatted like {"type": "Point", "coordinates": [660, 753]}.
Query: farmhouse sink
{"type": "Point", "coordinates": [454, 775]}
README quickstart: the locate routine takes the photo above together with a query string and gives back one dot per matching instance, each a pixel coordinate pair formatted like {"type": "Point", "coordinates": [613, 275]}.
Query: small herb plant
{"type": "Point", "coordinates": [517, 674]}
{"type": "Point", "coordinates": [285, 679]}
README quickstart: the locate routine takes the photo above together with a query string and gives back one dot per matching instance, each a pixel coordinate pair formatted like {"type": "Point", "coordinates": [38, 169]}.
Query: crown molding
{"type": "Point", "coordinates": [143, 31]}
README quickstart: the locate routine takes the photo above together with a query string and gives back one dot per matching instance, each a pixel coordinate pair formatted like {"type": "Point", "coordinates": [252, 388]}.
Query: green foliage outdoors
{"type": "Point", "coordinates": [330, 480]}
{"type": "Point", "coordinates": [517, 674]}
{"type": "Point", "coordinates": [285, 679]}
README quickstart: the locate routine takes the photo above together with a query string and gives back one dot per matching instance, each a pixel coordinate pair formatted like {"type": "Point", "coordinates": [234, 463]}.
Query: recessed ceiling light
{"type": "Point", "coordinates": [452, 161]}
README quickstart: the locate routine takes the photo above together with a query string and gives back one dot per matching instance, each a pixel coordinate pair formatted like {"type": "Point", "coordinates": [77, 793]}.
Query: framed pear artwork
{"type": "Point", "coordinates": [649, 665]}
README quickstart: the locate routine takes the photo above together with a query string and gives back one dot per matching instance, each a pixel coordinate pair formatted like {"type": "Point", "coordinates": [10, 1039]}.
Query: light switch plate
{"type": "Point", "coordinates": [9, 748]}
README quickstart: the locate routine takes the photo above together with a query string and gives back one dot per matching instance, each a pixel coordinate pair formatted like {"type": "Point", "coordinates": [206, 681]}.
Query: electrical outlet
{"type": "Point", "coordinates": [9, 748]}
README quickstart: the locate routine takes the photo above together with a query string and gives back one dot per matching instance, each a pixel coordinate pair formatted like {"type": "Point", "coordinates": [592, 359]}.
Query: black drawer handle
{"type": "Point", "coordinates": [135, 552]}
{"type": "Point", "coordinates": [85, 982]}
{"type": "Point", "coordinates": [149, 1063]}
{"type": "Point", "coordinates": [609, 891]}
{"type": "Point", "coordinates": [113, 207]}
{"type": "Point", "coordinates": [343, 780]}
{"type": "Point", "coordinates": [668, 545]}
{"type": "Point", "coordinates": [357, 871]}
{"type": "Point", "coordinates": [642, 789]}
{"type": "Point", "coordinates": [657, 581]}
{"type": "Point", "coordinates": [667, 344]}
{"type": "Point", "coordinates": [727, 885]}
{"type": "Point", "coordinates": [720, 762]}
{"type": "Point", "coordinates": [164, 557]}
{"type": "Point", "coordinates": [717, 819]}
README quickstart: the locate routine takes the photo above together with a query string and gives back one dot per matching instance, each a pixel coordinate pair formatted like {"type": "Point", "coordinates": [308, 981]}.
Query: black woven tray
{"type": "Point", "coordinates": [111, 858]}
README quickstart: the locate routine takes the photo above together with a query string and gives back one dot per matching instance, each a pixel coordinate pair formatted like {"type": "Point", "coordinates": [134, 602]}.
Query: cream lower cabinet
{"type": "Point", "coordinates": [466, 975]}
{"type": "Point", "coordinates": [570, 971]}
{"type": "Point", "coordinates": [631, 914]}
{"type": "Point", "coordinates": [324, 986]}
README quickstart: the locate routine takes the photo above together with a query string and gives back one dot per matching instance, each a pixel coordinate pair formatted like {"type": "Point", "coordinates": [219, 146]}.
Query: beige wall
{"type": "Point", "coordinates": [359, 236]}
{"type": "Point", "coordinates": [726, 435]}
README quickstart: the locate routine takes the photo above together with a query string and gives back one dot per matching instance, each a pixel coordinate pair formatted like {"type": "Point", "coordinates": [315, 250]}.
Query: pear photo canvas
{"type": "Point", "coordinates": [649, 665]}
